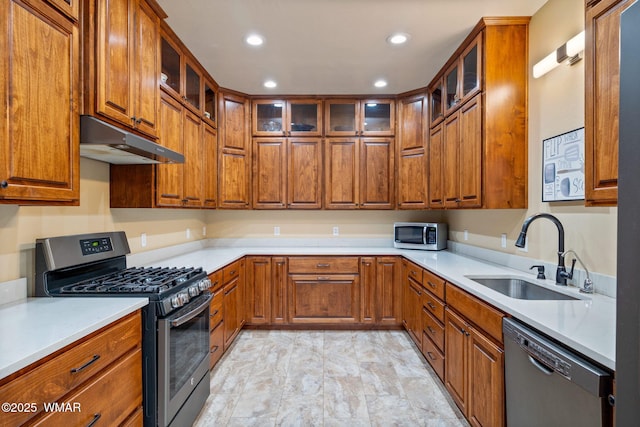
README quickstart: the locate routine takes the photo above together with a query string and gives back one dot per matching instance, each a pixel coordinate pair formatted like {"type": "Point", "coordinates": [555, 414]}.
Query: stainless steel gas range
{"type": "Point", "coordinates": [175, 347]}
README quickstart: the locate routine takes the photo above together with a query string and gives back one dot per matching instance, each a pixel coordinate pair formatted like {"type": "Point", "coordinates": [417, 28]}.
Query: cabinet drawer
{"type": "Point", "coordinates": [215, 308]}
{"type": "Point", "coordinates": [477, 312]}
{"type": "Point", "coordinates": [413, 271]}
{"type": "Point", "coordinates": [433, 355]}
{"type": "Point", "coordinates": [323, 265]}
{"type": "Point", "coordinates": [59, 375]}
{"type": "Point", "coordinates": [112, 397]}
{"type": "Point", "coordinates": [216, 343]}
{"type": "Point", "coordinates": [433, 328]}
{"type": "Point", "coordinates": [433, 284]}
{"type": "Point", "coordinates": [433, 305]}
{"type": "Point", "coordinates": [216, 280]}
{"type": "Point", "coordinates": [231, 271]}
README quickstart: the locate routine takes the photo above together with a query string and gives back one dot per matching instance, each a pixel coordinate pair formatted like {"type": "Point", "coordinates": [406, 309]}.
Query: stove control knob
{"type": "Point", "coordinates": [175, 302]}
{"type": "Point", "coordinates": [204, 284]}
{"type": "Point", "coordinates": [184, 298]}
{"type": "Point", "coordinates": [194, 291]}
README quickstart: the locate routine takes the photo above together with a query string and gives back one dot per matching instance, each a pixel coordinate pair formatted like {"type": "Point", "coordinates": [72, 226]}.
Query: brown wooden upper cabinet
{"type": "Point", "coordinates": [352, 117]}
{"type": "Point", "coordinates": [68, 7]}
{"type": "Point", "coordinates": [602, 96]}
{"type": "Point", "coordinates": [436, 105]}
{"type": "Point", "coordinates": [462, 80]}
{"type": "Point", "coordinates": [127, 63]}
{"type": "Point", "coordinates": [412, 156]}
{"type": "Point", "coordinates": [287, 173]}
{"type": "Point", "coordinates": [294, 117]}
{"type": "Point", "coordinates": [210, 102]}
{"type": "Point", "coordinates": [481, 136]}
{"type": "Point", "coordinates": [181, 75]}
{"type": "Point", "coordinates": [39, 145]}
{"type": "Point", "coordinates": [359, 173]}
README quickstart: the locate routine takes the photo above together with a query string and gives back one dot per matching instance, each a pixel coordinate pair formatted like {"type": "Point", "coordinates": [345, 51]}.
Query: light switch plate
{"type": "Point", "coordinates": [276, 230]}
{"type": "Point", "coordinates": [143, 240]}
{"type": "Point", "coordinates": [503, 240]}
{"type": "Point", "coordinates": [336, 231]}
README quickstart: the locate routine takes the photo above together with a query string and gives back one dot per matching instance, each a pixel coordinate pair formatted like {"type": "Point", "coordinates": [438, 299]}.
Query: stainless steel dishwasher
{"type": "Point", "coordinates": [548, 386]}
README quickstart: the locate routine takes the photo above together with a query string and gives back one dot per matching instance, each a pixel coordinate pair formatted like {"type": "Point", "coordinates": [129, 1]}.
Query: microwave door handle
{"type": "Point", "coordinates": [193, 313]}
{"type": "Point", "coordinates": [424, 235]}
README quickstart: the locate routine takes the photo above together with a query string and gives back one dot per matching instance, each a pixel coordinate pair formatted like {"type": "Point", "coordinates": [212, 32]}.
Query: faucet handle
{"type": "Point", "coordinates": [587, 288]}
{"type": "Point", "coordinates": [540, 271]}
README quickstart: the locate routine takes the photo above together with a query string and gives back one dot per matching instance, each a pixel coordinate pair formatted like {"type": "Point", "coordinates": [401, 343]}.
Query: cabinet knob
{"type": "Point", "coordinates": [133, 119]}
{"type": "Point", "coordinates": [4, 184]}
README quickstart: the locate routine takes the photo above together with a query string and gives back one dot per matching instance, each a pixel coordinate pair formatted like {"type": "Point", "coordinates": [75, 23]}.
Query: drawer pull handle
{"type": "Point", "coordinates": [431, 306]}
{"type": "Point", "coordinates": [431, 284]}
{"type": "Point", "coordinates": [95, 419]}
{"type": "Point", "coordinates": [431, 356]}
{"type": "Point", "coordinates": [214, 349]}
{"type": "Point", "coordinates": [214, 313]}
{"type": "Point", "coordinates": [324, 278]}
{"type": "Point", "coordinates": [413, 272]}
{"type": "Point", "coordinates": [323, 265]}
{"type": "Point", "coordinates": [86, 365]}
{"type": "Point", "coordinates": [430, 329]}
{"type": "Point", "coordinates": [232, 273]}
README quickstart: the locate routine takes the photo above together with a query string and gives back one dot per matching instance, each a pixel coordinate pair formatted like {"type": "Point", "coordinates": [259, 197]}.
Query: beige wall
{"type": "Point", "coordinates": [556, 105]}
{"type": "Point", "coordinates": [20, 226]}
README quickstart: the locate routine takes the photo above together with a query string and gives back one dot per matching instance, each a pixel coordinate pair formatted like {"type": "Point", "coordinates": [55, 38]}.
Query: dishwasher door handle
{"type": "Point", "coordinates": [542, 368]}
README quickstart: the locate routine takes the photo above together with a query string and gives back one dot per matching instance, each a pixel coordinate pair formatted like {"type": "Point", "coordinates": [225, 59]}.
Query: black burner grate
{"type": "Point", "coordinates": [134, 280]}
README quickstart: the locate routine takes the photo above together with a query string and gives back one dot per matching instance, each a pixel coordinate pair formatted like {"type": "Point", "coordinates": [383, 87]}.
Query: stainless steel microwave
{"type": "Point", "coordinates": [428, 236]}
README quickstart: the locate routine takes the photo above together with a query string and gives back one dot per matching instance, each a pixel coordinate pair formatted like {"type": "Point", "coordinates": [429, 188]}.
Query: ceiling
{"type": "Point", "coordinates": [329, 46]}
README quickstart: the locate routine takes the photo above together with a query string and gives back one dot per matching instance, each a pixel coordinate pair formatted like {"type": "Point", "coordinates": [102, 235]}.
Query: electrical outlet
{"type": "Point", "coordinates": [336, 231]}
{"type": "Point", "coordinates": [276, 231]}
{"type": "Point", "coordinates": [143, 240]}
{"type": "Point", "coordinates": [503, 240]}
{"type": "Point", "coordinates": [188, 233]}
{"type": "Point", "coordinates": [466, 234]}
{"type": "Point", "coordinates": [204, 231]}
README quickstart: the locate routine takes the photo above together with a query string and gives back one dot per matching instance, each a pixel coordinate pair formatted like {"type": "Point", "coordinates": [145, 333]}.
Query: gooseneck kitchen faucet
{"type": "Point", "coordinates": [561, 271]}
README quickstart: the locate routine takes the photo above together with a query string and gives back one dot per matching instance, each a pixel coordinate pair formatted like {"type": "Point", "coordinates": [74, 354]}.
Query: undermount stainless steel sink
{"type": "Point", "coordinates": [520, 289]}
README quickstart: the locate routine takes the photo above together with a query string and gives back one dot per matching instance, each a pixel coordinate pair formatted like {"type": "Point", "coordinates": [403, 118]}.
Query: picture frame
{"type": "Point", "coordinates": [563, 167]}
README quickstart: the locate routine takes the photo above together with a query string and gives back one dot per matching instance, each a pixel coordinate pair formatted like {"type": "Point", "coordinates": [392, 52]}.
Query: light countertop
{"type": "Point", "coordinates": [36, 327]}
{"type": "Point", "coordinates": [587, 325]}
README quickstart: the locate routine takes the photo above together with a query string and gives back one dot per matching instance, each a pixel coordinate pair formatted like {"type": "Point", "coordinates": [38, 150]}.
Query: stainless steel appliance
{"type": "Point", "coordinates": [101, 141]}
{"type": "Point", "coordinates": [175, 347]}
{"type": "Point", "coordinates": [547, 385]}
{"type": "Point", "coordinates": [428, 236]}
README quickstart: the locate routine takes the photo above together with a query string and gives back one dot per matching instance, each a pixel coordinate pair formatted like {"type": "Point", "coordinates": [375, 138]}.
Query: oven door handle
{"type": "Point", "coordinates": [193, 313]}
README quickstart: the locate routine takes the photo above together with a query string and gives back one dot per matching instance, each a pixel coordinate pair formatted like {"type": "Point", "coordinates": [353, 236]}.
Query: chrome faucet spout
{"type": "Point", "coordinates": [561, 271]}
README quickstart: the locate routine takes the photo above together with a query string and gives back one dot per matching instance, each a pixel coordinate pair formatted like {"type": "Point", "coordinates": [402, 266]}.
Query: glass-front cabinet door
{"type": "Point", "coordinates": [170, 76]}
{"type": "Point", "coordinates": [341, 117]}
{"type": "Point", "coordinates": [192, 86]}
{"type": "Point", "coordinates": [269, 117]}
{"type": "Point", "coordinates": [378, 117]}
{"type": "Point", "coordinates": [451, 79]}
{"type": "Point", "coordinates": [471, 63]}
{"type": "Point", "coordinates": [304, 117]}
{"type": "Point", "coordinates": [435, 102]}
{"type": "Point", "coordinates": [209, 103]}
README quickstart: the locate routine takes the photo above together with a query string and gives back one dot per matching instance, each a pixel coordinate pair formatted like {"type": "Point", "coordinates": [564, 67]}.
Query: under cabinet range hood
{"type": "Point", "coordinates": [104, 142]}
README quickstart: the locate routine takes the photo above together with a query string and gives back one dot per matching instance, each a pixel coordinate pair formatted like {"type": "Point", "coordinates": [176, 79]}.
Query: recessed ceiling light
{"type": "Point", "coordinates": [270, 84]}
{"type": "Point", "coordinates": [254, 39]}
{"type": "Point", "coordinates": [398, 38]}
{"type": "Point", "coordinates": [380, 83]}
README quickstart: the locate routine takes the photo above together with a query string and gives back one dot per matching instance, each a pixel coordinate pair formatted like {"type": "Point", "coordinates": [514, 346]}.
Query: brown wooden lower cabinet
{"type": "Point", "coordinates": [258, 287]}
{"type": "Point", "coordinates": [331, 298]}
{"type": "Point", "coordinates": [234, 301]}
{"type": "Point", "coordinates": [474, 372]}
{"type": "Point", "coordinates": [110, 385]}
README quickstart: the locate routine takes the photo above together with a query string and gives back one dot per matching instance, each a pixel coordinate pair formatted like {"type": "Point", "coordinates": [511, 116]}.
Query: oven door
{"type": "Point", "coordinates": [183, 357]}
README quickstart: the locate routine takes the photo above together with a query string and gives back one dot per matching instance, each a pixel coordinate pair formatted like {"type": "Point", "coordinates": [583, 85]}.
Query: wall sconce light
{"type": "Point", "coordinates": [570, 52]}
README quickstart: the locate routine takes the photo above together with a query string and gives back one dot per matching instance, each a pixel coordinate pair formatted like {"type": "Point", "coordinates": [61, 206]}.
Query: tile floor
{"type": "Point", "coordinates": [326, 378]}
